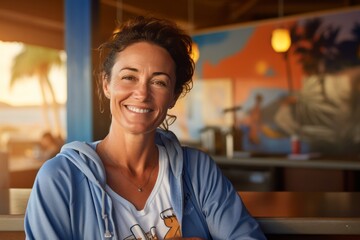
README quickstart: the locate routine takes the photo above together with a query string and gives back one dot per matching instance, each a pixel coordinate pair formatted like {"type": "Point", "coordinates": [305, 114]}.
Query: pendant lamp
{"type": "Point", "coordinates": [280, 37]}
{"type": "Point", "coordinates": [280, 40]}
{"type": "Point", "coordinates": [195, 53]}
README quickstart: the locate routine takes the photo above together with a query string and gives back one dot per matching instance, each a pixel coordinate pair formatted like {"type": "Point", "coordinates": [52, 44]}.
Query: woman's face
{"type": "Point", "coordinates": [141, 87]}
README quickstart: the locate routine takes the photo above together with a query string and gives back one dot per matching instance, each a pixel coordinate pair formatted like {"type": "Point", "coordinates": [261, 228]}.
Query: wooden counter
{"type": "Point", "coordinates": [306, 213]}
{"type": "Point", "coordinates": [22, 171]}
{"type": "Point", "coordinates": [13, 204]}
{"type": "Point", "coordinates": [279, 213]}
{"type": "Point", "coordinates": [336, 174]}
{"type": "Point", "coordinates": [317, 163]}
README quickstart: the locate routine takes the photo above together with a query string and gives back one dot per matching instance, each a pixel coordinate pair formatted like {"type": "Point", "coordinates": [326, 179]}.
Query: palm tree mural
{"type": "Point", "coordinates": [38, 61]}
{"type": "Point", "coordinates": [349, 49]}
{"type": "Point", "coordinates": [321, 107]}
{"type": "Point", "coordinates": [317, 49]}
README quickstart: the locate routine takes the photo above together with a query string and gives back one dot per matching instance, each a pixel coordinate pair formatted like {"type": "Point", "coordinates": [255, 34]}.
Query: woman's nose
{"type": "Point", "coordinates": [142, 91]}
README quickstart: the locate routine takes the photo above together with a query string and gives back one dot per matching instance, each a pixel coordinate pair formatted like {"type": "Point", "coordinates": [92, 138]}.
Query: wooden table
{"type": "Point", "coordinates": [318, 174]}
{"type": "Point", "coordinates": [13, 204]}
{"type": "Point", "coordinates": [317, 163]}
{"type": "Point", "coordinates": [22, 171]}
{"type": "Point", "coordinates": [23, 163]}
{"type": "Point", "coordinates": [278, 213]}
{"type": "Point", "coordinates": [308, 213]}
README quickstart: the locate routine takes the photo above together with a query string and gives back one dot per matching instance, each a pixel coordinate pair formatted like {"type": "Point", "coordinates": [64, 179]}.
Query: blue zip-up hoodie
{"type": "Point", "coordinates": [68, 199]}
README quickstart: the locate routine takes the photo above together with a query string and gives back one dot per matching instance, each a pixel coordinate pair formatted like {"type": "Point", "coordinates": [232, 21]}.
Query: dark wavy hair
{"type": "Point", "coordinates": [161, 32]}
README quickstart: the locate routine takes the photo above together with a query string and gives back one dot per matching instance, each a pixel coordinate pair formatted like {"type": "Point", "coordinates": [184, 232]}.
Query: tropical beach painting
{"type": "Point", "coordinates": [32, 93]}
{"type": "Point", "coordinates": [312, 91]}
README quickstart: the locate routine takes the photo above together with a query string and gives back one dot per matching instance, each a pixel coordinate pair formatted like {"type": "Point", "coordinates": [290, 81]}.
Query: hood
{"type": "Point", "coordinates": [173, 149]}
{"type": "Point", "coordinates": [85, 158]}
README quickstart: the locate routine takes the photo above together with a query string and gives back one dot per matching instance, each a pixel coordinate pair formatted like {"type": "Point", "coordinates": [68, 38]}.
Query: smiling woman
{"type": "Point", "coordinates": [137, 179]}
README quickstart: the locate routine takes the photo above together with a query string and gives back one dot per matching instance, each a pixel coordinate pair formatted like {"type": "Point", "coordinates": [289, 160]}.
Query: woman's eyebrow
{"type": "Point", "coordinates": [129, 68]}
{"type": "Point", "coordinates": [161, 73]}
{"type": "Point", "coordinates": [136, 70]}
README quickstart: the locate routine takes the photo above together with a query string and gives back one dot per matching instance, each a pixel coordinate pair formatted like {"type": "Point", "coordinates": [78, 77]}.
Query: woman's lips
{"type": "Point", "coordinates": [138, 110]}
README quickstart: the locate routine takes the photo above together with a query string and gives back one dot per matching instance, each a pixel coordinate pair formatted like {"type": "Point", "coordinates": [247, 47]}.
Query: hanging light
{"type": "Point", "coordinates": [119, 15]}
{"type": "Point", "coordinates": [280, 37]}
{"type": "Point", "coordinates": [195, 53]}
{"type": "Point", "coordinates": [280, 40]}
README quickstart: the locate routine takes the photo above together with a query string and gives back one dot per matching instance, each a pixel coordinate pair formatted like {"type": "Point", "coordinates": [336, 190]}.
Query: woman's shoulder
{"type": "Point", "coordinates": [196, 154]}
{"type": "Point", "coordinates": [57, 162]}
{"type": "Point", "coordinates": [197, 158]}
{"type": "Point", "coordinates": [58, 168]}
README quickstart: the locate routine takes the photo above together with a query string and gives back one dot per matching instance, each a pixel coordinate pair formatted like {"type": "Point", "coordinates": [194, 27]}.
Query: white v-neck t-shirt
{"type": "Point", "coordinates": [157, 220]}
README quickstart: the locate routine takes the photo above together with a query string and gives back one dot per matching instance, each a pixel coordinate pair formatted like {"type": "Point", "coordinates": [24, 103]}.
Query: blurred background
{"type": "Point", "coordinates": [256, 99]}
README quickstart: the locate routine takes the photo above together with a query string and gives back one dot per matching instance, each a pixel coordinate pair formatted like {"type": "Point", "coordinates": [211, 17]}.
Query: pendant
{"type": "Point", "coordinates": [140, 190]}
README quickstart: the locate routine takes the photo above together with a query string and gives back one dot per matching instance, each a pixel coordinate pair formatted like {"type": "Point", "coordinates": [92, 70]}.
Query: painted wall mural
{"type": "Point", "coordinates": [312, 91]}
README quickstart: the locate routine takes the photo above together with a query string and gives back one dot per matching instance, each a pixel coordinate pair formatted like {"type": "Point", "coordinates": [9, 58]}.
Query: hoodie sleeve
{"type": "Point", "coordinates": [47, 214]}
{"type": "Point", "coordinates": [225, 213]}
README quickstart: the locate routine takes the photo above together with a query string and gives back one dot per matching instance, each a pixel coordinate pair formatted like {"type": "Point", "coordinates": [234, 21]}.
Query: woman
{"type": "Point", "coordinates": [138, 182]}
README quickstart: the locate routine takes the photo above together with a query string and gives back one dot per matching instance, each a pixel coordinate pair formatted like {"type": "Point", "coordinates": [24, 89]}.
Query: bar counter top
{"type": "Point", "coordinates": [344, 163]}
{"type": "Point", "coordinates": [313, 213]}
{"type": "Point", "coordinates": [303, 213]}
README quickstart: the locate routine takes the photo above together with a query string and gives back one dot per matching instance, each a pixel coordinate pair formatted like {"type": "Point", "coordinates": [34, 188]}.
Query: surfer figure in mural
{"type": "Point", "coordinates": [255, 120]}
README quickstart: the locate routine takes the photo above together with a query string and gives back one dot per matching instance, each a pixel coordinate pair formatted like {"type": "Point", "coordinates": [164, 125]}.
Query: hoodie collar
{"type": "Point", "coordinates": [91, 165]}
{"type": "Point", "coordinates": [173, 148]}
{"type": "Point", "coordinates": [86, 159]}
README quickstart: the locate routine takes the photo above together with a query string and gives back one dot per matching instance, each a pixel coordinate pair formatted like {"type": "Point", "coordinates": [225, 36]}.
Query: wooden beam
{"type": "Point", "coordinates": [20, 27]}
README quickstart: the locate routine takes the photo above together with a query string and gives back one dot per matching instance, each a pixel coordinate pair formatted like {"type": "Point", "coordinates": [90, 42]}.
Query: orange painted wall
{"type": "Point", "coordinates": [248, 67]}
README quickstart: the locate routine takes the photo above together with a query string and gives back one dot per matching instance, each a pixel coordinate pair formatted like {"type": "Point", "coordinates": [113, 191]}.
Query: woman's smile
{"type": "Point", "coordinates": [138, 110]}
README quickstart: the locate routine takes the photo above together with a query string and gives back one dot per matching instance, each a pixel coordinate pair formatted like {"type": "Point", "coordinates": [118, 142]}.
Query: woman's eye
{"type": "Point", "coordinates": [160, 83]}
{"type": "Point", "coordinates": [130, 78]}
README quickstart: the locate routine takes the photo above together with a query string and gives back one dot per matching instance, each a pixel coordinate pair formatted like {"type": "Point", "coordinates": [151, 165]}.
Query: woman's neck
{"type": "Point", "coordinates": [133, 152]}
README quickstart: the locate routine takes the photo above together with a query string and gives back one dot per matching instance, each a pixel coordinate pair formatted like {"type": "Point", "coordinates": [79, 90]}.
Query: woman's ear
{"type": "Point", "coordinates": [105, 85]}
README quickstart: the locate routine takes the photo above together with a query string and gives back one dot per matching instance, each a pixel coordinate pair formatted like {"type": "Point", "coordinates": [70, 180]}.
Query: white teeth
{"type": "Point", "coordinates": [138, 110]}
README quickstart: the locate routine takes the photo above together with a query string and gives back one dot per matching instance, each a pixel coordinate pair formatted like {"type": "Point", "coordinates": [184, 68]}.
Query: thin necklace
{"type": "Point", "coordinates": [140, 188]}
